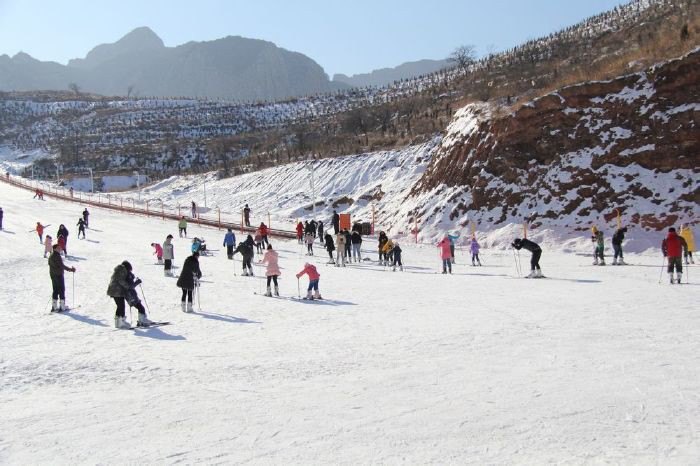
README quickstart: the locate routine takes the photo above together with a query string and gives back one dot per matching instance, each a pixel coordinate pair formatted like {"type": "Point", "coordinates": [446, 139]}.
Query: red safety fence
{"type": "Point", "coordinates": [151, 208]}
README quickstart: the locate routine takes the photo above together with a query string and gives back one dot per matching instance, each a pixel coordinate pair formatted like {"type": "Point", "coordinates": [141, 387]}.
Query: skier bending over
{"type": "Point", "coordinates": [271, 259]}
{"type": "Point", "coordinates": [534, 248]}
{"type": "Point", "coordinates": [58, 285]}
{"type": "Point", "coordinates": [617, 240]}
{"type": "Point", "coordinates": [189, 279]}
{"type": "Point", "coordinates": [672, 247]}
{"type": "Point", "coordinates": [122, 287]}
{"type": "Point", "coordinates": [474, 247]}
{"type": "Point", "coordinates": [158, 252]}
{"type": "Point", "coordinates": [314, 277]}
{"type": "Point", "coordinates": [245, 248]}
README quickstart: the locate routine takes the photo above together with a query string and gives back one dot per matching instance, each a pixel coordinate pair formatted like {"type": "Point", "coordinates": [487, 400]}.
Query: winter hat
{"type": "Point", "coordinates": [671, 230]}
{"type": "Point", "coordinates": [269, 246]}
{"type": "Point", "coordinates": [127, 264]}
{"type": "Point", "coordinates": [169, 237]}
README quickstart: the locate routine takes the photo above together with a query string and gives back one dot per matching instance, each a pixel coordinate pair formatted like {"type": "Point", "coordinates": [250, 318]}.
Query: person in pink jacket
{"type": "Point", "coordinates": [271, 260]}
{"type": "Point", "coordinates": [445, 254]}
{"type": "Point", "coordinates": [158, 252]}
{"type": "Point", "coordinates": [314, 277]}
{"type": "Point", "coordinates": [48, 246]}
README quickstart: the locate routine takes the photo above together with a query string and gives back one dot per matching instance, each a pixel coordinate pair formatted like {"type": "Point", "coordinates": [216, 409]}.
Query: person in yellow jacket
{"type": "Point", "coordinates": [687, 235]}
{"type": "Point", "coordinates": [182, 226]}
{"type": "Point", "coordinates": [388, 251]}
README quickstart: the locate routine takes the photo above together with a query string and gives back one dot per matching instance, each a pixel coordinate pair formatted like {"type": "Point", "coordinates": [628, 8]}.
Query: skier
{"type": "Point", "coordinates": [245, 248]}
{"type": "Point", "coordinates": [230, 243]}
{"type": "Point", "coordinates": [617, 240]}
{"type": "Point", "coordinates": [246, 215]}
{"type": "Point", "coordinates": [122, 288]}
{"type": "Point", "coordinates": [182, 226]}
{"type": "Point", "coordinates": [336, 222]}
{"type": "Point", "coordinates": [672, 247]}
{"type": "Point", "coordinates": [197, 245]}
{"type": "Point", "coordinates": [687, 235]}
{"type": "Point", "coordinates": [264, 231]}
{"type": "Point", "coordinates": [61, 241]}
{"type": "Point", "coordinates": [388, 251]}
{"type": "Point", "coordinates": [86, 214]}
{"type": "Point", "coordinates": [320, 230]}
{"type": "Point", "coordinates": [599, 241]}
{"type": "Point", "coordinates": [300, 232]}
{"type": "Point", "coordinates": [1, 214]}
{"type": "Point", "coordinates": [314, 277]}
{"type": "Point", "coordinates": [48, 247]}
{"type": "Point", "coordinates": [453, 239]}
{"type": "Point", "coordinates": [445, 254]}
{"type": "Point", "coordinates": [340, 252]}
{"type": "Point", "coordinates": [396, 253]}
{"type": "Point", "coordinates": [258, 242]}
{"type": "Point", "coordinates": [40, 231]}
{"type": "Point", "coordinates": [271, 260]}
{"type": "Point", "coordinates": [381, 241]}
{"type": "Point", "coordinates": [56, 269]}
{"type": "Point", "coordinates": [309, 239]}
{"type": "Point", "coordinates": [534, 248]}
{"type": "Point", "coordinates": [194, 210]}
{"type": "Point", "coordinates": [474, 247]}
{"type": "Point", "coordinates": [158, 252]}
{"type": "Point", "coordinates": [189, 279]}
{"type": "Point", "coordinates": [81, 227]}
{"type": "Point", "coordinates": [348, 245]}
{"type": "Point", "coordinates": [356, 240]}
{"type": "Point", "coordinates": [330, 247]}
{"type": "Point", "coordinates": [313, 226]}
{"type": "Point", "coordinates": [168, 256]}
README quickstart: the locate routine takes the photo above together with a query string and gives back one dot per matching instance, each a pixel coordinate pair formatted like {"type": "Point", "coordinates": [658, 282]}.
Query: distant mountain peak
{"type": "Point", "coordinates": [142, 37]}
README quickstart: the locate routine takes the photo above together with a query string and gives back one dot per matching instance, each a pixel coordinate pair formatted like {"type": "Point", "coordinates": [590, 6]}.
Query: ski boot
{"type": "Point", "coordinates": [401, 268]}
{"type": "Point", "coordinates": [143, 321]}
{"type": "Point", "coordinates": [54, 306]}
{"type": "Point", "coordinates": [121, 323]}
{"type": "Point", "coordinates": [309, 296]}
{"type": "Point", "coordinates": [614, 262]}
{"type": "Point", "coordinates": [538, 273]}
{"type": "Point", "coordinates": [62, 306]}
{"type": "Point", "coordinates": [317, 295]}
{"type": "Point", "coordinates": [268, 293]}
{"type": "Point", "coordinates": [183, 306]}
{"type": "Point", "coordinates": [595, 261]}
{"type": "Point", "coordinates": [532, 274]}
{"type": "Point", "coordinates": [670, 277]}
{"type": "Point", "coordinates": [189, 308]}
{"type": "Point", "coordinates": [277, 290]}
{"type": "Point", "coordinates": [680, 278]}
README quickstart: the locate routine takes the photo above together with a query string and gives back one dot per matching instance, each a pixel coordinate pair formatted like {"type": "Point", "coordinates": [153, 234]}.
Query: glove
{"type": "Point", "coordinates": [72, 269]}
{"type": "Point", "coordinates": [137, 282]}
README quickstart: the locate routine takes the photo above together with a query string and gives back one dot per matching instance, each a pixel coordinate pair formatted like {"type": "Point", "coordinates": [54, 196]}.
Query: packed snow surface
{"type": "Point", "coordinates": [593, 365]}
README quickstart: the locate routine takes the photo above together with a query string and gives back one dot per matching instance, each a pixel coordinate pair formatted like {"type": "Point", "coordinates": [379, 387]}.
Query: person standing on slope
{"type": "Point", "coordinates": [598, 251]}
{"type": "Point", "coordinates": [63, 232]}
{"type": "Point", "coordinates": [168, 256]}
{"type": "Point", "coordinates": [309, 239]}
{"type": "Point", "coordinates": [445, 254]}
{"type": "Point", "coordinates": [687, 235]}
{"type": "Point", "coordinates": [300, 232]}
{"type": "Point", "coordinates": [81, 227]}
{"type": "Point", "coordinates": [58, 285]}
{"type": "Point", "coordinates": [245, 248]}
{"type": "Point", "coordinates": [314, 278]}
{"type": "Point", "coordinates": [672, 248]}
{"type": "Point", "coordinates": [189, 279]}
{"type": "Point", "coordinates": [336, 222]}
{"type": "Point", "coordinates": [534, 248]}
{"type": "Point", "coordinates": [40, 231]}
{"type": "Point", "coordinates": [381, 241]}
{"type": "Point", "coordinates": [246, 215]}
{"type": "Point", "coordinates": [396, 253]}
{"type": "Point", "coordinates": [1, 214]}
{"type": "Point", "coordinates": [86, 215]}
{"type": "Point", "coordinates": [122, 288]}
{"type": "Point", "coordinates": [230, 243]}
{"type": "Point", "coordinates": [617, 240]}
{"type": "Point", "coordinates": [340, 253]}
{"type": "Point", "coordinates": [194, 210]}
{"type": "Point", "coordinates": [330, 247]}
{"type": "Point", "coordinates": [453, 238]}
{"type": "Point", "coordinates": [356, 240]}
{"type": "Point", "coordinates": [48, 246]}
{"type": "Point", "coordinates": [320, 230]}
{"type": "Point", "coordinates": [182, 227]}
{"type": "Point", "coordinates": [271, 260]}
{"type": "Point", "coordinates": [474, 248]}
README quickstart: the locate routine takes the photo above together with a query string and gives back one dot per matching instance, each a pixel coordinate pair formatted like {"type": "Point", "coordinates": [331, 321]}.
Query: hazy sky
{"type": "Point", "coordinates": [348, 37]}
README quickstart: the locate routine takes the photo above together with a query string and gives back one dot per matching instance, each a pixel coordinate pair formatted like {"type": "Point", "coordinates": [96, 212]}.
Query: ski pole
{"type": "Point", "coordinates": [515, 259]}
{"type": "Point", "coordinates": [144, 298]}
{"type": "Point", "coordinates": [199, 303]}
{"type": "Point", "coordinates": [661, 273]}
{"type": "Point", "coordinates": [73, 295]}
{"type": "Point", "coordinates": [298, 288]}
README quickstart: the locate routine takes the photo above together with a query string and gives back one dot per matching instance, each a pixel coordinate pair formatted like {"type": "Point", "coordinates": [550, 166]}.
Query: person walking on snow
{"type": "Point", "coordinates": [356, 240]}
{"type": "Point", "coordinates": [272, 271]}
{"type": "Point", "coordinates": [445, 254]}
{"type": "Point", "coordinates": [598, 252]}
{"type": "Point", "coordinates": [194, 210]}
{"type": "Point", "coordinates": [40, 231]}
{"type": "Point", "coordinates": [309, 239]}
{"type": "Point", "coordinates": [58, 285]}
{"type": "Point", "coordinates": [245, 249]}
{"type": "Point", "coordinates": [246, 215]}
{"type": "Point", "coordinates": [182, 227]}
{"type": "Point", "coordinates": [48, 246]}
{"type": "Point", "coordinates": [314, 278]}
{"type": "Point", "coordinates": [534, 248]}
{"type": "Point", "coordinates": [340, 253]}
{"type": "Point", "coordinates": [81, 227]}
{"type": "Point", "coordinates": [474, 247]}
{"type": "Point", "coordinates": [336, 222]}
{"type": "Point", "coordinates": [687, 235]}
{"type": "Point", "coordinates": [168, 256]}
{"type": "Point", "coordinates": [122, 288]}
{"type": "Point", "coordinates": [330, 247]}
{"type": "Point", "coordinates": [158, 252]}
{"type": "Point", "coordinates": [672, 248]}
{"type": "Point", "coordinates": [617, 240]}
{"type": "Point", "coordinates": [396, 253]}
{"type": "Point", "coordinates": [86, 215]}
{"type": "Point", "coordinates": [189, 279]}
{"type": "Point", "coordinates": [320, 230]}
{"type": "Point", "coordinates": [300, 232]}
{"type": "Point", "coordinates": [230, 243]}
{"type": "Point", "coordinates": [264, 232]}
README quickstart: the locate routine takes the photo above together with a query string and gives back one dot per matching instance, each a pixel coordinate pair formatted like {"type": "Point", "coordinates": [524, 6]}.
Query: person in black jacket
{"type": "Point", "coordinates": [122, 288]}
{"type": "Point", "coordinates": [245, 248]}
{"type": "Point", "coordinates": [63, 231]}
{"type": "Point", "coordinates": [56, 269]}
{"type": "Point", "coordinates": [189, 279]}
{"type": "Point", "coordinates": [336, 222]}
{"type": "Point", "coordinates": [617, 240]}
{"type": "Point", "coordinates": [330, 247]}
{"type": "Point", "coordinates": [320, 231]}
{"type": "Point", "coordinates": [81, 227]}
{"type": "Point", "coordinates": [534, 248]}
{"type": "Point", "coordinates": [397, 257]}
{"type": "Point", "coordinates": [356, 240]}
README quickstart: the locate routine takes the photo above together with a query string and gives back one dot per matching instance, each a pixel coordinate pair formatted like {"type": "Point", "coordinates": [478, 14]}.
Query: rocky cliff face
{"type": "Point", "coordinates": [578, 155]}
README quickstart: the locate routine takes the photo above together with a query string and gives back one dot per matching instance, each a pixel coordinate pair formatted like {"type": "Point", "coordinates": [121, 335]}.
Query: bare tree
{"type": "Point", "coordinates": [463, 56]}
{"type": "Point", "coordinates": [74, 87]}
{"type": "Point", "coordinates": [129, 91]}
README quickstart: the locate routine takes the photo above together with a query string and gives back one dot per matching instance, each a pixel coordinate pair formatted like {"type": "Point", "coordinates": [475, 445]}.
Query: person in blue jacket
{"type": "Point", "coordinates": [452, 239]}
{"type": "Point", "coordinates": [230, 243]}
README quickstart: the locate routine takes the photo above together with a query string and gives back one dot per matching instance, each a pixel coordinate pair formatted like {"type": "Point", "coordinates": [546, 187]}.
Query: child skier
{"type": "Point", "coordinates": [672, 247]}
{"type": "Point", "coordinates": [189, 279]}
{"type": "Point", "coordinates": [445, 254]}
{"type": "Point", "coordinates": [271, 259]}
{"type": "Point", "coordinates": [617, 240]}
{"type": "Point", "coordinates": [48, 247]}
{"type": "Point", "coordinates": [309, 239]}
{"type": "Point", "coordinates": [396, 252]}
{"type": "Point", "coordinates": [122, 287]}
{"type": "Point", "coordinates": [158, 252]}
{"type": "Point", "coordinates": [314, 277]}
{"type": "Point", "coordinates": [474, 247]}
{"type": "Point", "coordinates": [534, 248]}
{"type": "Point", "coordinates": [40, 231]}
{"type": "Point", "coordinates": [599, 241]}
{"type": "Point", "coordinates": [81, 227]}
{"type": "Point", "coordinates": [56, 269]}
{"type": "Point", "coordinates": [230, 243]}
{"type": "Point", "coordinates": [168, 256]}
{"type": "Point", "coordinates": [687, 235]}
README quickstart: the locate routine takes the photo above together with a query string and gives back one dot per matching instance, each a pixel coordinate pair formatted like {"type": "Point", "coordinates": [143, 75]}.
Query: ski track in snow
{"type": "Point", "coordinates": [598, 366]}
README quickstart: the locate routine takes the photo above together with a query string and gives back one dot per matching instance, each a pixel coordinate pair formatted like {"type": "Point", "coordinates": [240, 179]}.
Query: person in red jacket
{"type": "Point", "coordinates": [314, 277]}
{"type": "Point", "coordinates": [300, 233]}
{"type": "Point", "coordinates": [263, 235]}
{"type": "Point", "coordinates": [672, 248]}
